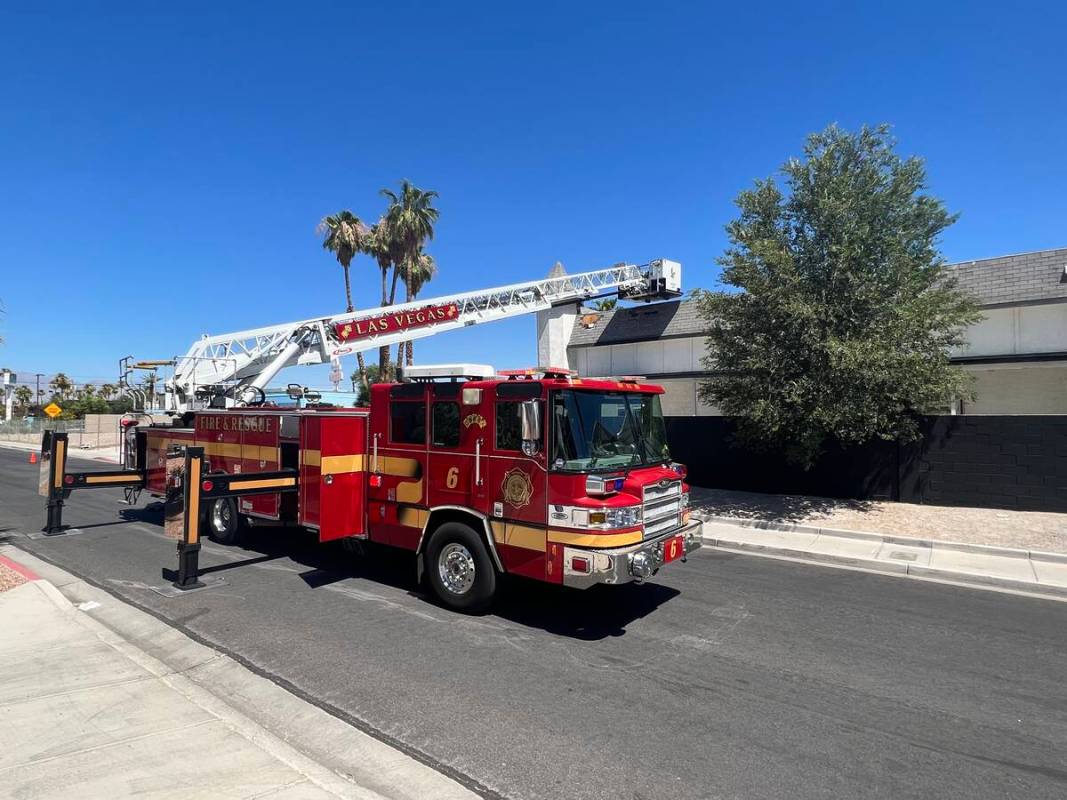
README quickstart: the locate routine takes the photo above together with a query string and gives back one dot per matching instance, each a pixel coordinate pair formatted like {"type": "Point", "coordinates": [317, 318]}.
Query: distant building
{"type": "Point", "coordinates": [1018, 353]}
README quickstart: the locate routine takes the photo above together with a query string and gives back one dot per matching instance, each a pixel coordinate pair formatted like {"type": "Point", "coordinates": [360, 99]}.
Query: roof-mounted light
{"type": "Point", "coordinates": [436, 372]}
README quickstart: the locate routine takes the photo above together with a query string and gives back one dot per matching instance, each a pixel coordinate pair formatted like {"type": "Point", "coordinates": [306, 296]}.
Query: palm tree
{"type": "Point", "coordinates": [60, 384]}
{"type": "Point", "coordinates": [107, 391]}
{"type": "Point", "coordinates": [23, 396]}
{"type": "Point", "coordinates": [344, 235]}
{"type": "Point", "coordinates": [425, 268]}
{"type": "Point", "coordinates": [607, 304]}
{"type": "Point", "coordinates": [412, 217]}
{"type": "Point", "coordinates": [382, 246]}
{"type": "Point", "coordinates": [88, 390]}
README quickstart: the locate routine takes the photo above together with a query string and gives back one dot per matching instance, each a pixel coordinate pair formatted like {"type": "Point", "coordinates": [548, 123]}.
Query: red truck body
{"type": "Point", "coordinates": [594, 499]}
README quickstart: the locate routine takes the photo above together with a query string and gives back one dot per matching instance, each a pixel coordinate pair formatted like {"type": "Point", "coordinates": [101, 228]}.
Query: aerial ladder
{"type": "Point", "coordinates": [245, 362]}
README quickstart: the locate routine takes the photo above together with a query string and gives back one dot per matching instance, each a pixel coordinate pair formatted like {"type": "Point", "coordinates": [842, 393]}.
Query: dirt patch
{"type": "Point", "coordinates": [9, 579]}
{"type": "Point", "coordinates": [1029, 530]}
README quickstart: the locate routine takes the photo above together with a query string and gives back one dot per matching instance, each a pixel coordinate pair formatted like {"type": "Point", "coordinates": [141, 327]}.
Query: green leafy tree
{"type": "Point", "coordinates": [107, 390]}
{"type": "Point", "coordinates": [344, 235]}
{"type": "Point", "coordinates": [361, 385]}
{"type": "Point", "coordinates": [844, 321]}
{"type": "Point", "coordinates": [412, 217]}
{"type": "Point", "coordinates": [607, 304]}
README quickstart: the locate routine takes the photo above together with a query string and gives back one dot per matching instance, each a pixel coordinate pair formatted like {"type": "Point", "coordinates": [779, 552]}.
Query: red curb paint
{"type": "Point", "coordinates": [25, 572]}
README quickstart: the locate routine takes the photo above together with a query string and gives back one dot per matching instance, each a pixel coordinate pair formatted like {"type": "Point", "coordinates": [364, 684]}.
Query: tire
{"type": "Point", "coordinates": [223, 522]}
{"type": "Point", "coordinates": [459, 569]}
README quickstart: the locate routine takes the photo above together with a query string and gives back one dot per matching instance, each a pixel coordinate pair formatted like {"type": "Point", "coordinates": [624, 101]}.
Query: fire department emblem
{"type": "Point", "coordinates": [517, 488]}
{"type": "Point", "coordinates": [474, 419]}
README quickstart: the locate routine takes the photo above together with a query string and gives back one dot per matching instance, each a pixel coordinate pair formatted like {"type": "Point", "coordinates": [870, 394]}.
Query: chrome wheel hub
{"type": "Point", "coordinates": [456, 568]}
{"type": "Point", "coordinates": [221, 516]}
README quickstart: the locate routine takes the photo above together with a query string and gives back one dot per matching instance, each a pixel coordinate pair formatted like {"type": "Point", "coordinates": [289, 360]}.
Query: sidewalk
{"type": "Point", "coordinates": [109, 454]}
{"type": "Point", "coordinates": [1013, 569]}
{"type": "Point", "coordinates": [102, 700]}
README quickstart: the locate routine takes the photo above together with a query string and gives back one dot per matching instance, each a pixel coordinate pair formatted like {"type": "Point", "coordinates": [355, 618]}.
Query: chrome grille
{"type": "Point", "coordinates": [662, 507]}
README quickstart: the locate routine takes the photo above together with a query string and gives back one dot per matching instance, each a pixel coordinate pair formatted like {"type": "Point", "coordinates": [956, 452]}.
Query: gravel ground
{"type": "Point", "coordinates": [9, 579]}
{"type": "Point", "coordinates": [1030, 530]}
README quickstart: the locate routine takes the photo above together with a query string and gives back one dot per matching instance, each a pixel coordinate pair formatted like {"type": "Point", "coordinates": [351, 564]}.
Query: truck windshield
{"type": "Point", "coordinates": [606, 430]}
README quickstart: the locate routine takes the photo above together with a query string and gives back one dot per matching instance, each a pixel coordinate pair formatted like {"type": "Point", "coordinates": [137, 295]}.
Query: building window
{"type": "Point", "coordinates": [407, 423]}
{"type": "Point", "coordinates": [446, 424]}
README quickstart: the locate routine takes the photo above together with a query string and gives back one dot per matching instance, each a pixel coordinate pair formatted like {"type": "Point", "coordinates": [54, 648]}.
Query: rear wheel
{"type": "Point", "coordinates": [459, 569]}
{"type": "Point", "coordinates": [223, 522]}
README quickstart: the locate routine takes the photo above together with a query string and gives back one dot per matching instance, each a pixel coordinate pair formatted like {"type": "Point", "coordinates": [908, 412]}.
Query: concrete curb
{"type": "Point", "coordinates": [333, 754]}
{"type": "Point", "coordinates": [1044, 575]}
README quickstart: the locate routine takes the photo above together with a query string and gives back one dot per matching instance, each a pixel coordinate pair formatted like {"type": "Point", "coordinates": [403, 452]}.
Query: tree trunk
{"type": "Point", "coordinates": [362, 367]}
{"type": "Point", "coordinates": [348, 288]}
{"type": "Point", "coordinates": [392, 290]}
{"type": "Point", "coordinates": [383, 352]}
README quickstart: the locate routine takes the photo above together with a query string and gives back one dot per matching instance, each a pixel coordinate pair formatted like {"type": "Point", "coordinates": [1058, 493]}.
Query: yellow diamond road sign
{"type": "Point", "coordinates": [53, 410]}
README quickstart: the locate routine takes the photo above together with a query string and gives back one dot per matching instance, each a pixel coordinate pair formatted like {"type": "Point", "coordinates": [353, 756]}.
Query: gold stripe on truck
{"type": "Point", "coordinates": [252, 483]}
{"type": "Point", "coordinates": [594, 540]}
{"type": "Point", "coordinates": [513, 534]}
{"type": "Point", "coordinates": [335, 465]}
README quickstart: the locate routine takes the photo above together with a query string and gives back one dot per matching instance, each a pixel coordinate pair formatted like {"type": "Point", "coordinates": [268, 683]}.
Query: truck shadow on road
{"type": "Point", "coordinates": [597, 613]}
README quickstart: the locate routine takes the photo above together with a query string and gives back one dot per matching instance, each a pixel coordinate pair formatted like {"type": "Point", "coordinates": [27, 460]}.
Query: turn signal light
{"type": "Point", "coordinates": [580, 564]}
{"type": "Point", "coordinates": [207, 486]}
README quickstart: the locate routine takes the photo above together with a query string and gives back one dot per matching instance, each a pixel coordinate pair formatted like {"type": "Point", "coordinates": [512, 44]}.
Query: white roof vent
{"type": "Point", "coordinates": [433, 372]}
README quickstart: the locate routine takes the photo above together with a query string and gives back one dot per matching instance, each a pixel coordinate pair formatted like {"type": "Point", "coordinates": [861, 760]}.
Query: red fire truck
{"type": "Point", "coordinates": [537, 473]}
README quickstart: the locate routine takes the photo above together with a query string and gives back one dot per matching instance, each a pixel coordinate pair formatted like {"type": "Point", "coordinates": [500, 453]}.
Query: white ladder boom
{"type": "Point", "coordinates": [252, 358]}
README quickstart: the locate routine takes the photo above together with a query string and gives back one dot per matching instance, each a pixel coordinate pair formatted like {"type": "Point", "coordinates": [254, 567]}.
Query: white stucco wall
{"type": "Point", "coordinates": [1019, 389]}
{"type": "Point", "coordinates": [1019, 330]}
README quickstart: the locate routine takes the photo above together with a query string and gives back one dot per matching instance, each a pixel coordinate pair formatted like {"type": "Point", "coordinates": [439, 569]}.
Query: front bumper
{"type": "Point", "coordinates": [615, 565]}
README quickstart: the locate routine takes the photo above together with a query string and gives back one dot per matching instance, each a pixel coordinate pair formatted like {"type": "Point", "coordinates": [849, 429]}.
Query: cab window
{"type": "Point", "coordinates": [407, 423]}
{"type": "Point", "coordinates": [446, 424]}
{"type": "Point", "coordinates": [508, 428]}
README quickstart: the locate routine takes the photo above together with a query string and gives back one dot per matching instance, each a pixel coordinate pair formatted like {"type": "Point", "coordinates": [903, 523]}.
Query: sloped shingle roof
{"type": "Point", "coordinates": [1024, 278]}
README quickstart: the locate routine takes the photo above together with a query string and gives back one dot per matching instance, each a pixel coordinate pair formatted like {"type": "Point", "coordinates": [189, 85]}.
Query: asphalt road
{"type": "Point", "coordinates": [728, 677]}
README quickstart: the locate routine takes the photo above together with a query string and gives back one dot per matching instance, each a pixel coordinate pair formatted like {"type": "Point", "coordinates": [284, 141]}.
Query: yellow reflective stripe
{"type": "Point", "coordinates": [133, 478]}
{"type": "Point", "coordinates": [310, 458]}
{"type": "Point", "coordinates": [401, 467]}
{"type": "Point", "coordinates": [412, 517]}
{"type": "Point", "coordinates": [594, 540]}
{"type": "Point", "coordinates": [192, 520]}
{"type": "Point", "coordinates": [515, 535]}
{"type": "Point", "coordinates": [250, 452]}
{"type": "Point", "coordinates": [338, 464]}
{"type": "Point", "coordinates": [61, 463]}
{"type": "Point", "coordinates": [271, 483]}
{"type": "Point", "coordinates": [409, 492]}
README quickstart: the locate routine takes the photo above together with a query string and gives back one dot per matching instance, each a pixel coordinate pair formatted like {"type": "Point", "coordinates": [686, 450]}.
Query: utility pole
{"type": "Point", "coordinates": [37, 396]}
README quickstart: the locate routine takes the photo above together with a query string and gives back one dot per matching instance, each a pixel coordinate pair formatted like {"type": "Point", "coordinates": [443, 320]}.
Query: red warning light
{"type": "Point", "coordinates": [207, 486]}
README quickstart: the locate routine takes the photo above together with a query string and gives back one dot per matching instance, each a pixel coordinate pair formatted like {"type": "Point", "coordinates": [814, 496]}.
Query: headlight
{"type": "Point", "coordinates": [685, 499]}
{"type": "Point", "coordinates": [604, 518]}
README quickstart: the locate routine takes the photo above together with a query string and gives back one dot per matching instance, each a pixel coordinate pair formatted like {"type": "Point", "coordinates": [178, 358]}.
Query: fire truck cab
{"type": "Point", "coordinates": [537, 473]}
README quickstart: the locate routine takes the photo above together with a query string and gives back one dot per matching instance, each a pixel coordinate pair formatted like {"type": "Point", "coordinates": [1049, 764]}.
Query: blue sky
{"type": "Point", "coordinates": [163, 166]}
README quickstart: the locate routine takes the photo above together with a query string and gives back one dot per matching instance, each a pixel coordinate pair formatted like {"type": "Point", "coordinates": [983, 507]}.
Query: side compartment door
{"type": "Point", "coordinates": [333, 452]}
{"type": "Point", "coordinates": [260, 453]}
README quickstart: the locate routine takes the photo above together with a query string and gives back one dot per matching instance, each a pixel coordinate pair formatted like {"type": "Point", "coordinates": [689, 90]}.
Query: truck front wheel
{"type": "Point", "coordinates": [223, 523]}
{"type": "Point", "coordinates": [459, 568]}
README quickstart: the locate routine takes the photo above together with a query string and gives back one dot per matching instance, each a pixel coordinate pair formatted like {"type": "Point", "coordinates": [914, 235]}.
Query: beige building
{"type": "Point", "coordinates": [1017, 353]}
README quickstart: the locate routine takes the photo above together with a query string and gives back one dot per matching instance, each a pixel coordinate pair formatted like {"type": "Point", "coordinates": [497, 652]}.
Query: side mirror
{"type": "Point", "coordinates": [530, 423]}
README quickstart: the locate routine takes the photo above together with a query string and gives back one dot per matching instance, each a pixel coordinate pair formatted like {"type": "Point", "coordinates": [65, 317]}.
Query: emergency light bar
{"type": "Point", "coordinates": [431, 372]}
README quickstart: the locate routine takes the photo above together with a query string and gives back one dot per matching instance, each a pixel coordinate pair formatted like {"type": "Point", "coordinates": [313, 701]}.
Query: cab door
{"type": "Point", "coordinates": [454, 433]}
